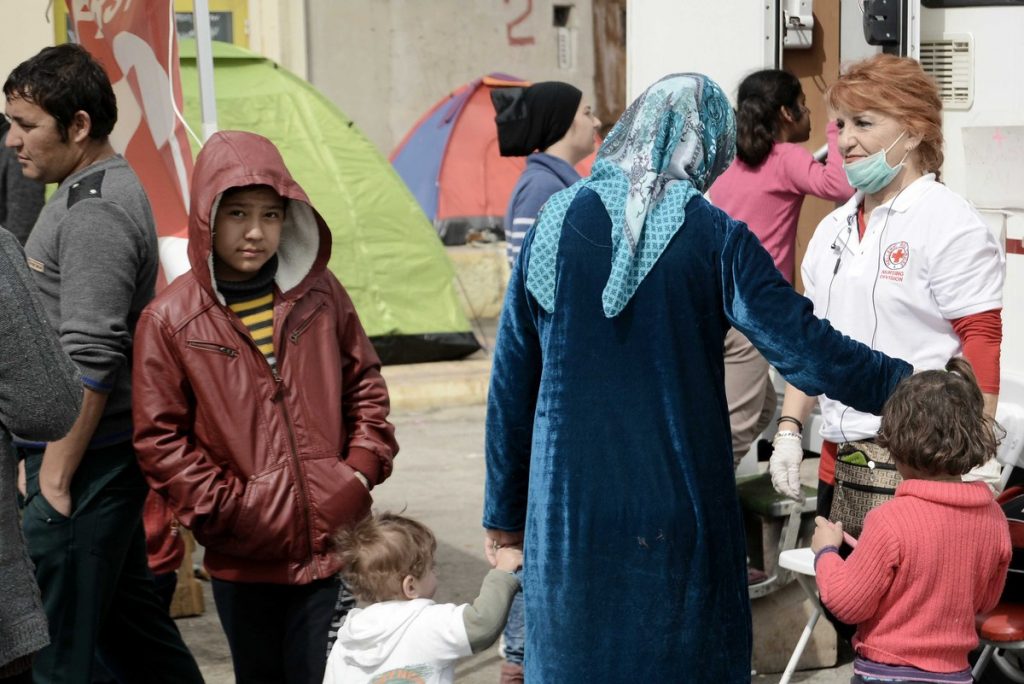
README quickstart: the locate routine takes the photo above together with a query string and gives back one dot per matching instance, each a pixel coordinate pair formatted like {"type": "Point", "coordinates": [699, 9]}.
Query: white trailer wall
{"type": "Point", "coordinates": [725, 39]}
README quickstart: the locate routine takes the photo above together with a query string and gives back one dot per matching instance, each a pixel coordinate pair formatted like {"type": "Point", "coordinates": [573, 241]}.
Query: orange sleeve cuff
{"type": "Point", "coordinates": [827, 464]}
{"type": "Point", "coordinates": [981, 335]}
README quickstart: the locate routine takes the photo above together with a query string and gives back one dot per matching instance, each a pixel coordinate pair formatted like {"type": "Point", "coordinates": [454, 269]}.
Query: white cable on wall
{"type": "Point", "coordinates": [172, 29]}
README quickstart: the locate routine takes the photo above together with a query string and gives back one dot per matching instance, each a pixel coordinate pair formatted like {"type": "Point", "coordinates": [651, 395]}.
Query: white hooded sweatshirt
{"type": "Point", "coordinates": [399, 642]}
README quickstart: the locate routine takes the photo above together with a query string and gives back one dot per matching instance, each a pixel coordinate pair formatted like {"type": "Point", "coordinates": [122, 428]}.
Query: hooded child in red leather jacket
{"type": "Point", "coordinates": [260, 411]}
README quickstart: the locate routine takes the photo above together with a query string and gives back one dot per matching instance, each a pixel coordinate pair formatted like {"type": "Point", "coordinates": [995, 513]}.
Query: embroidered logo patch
{"type": "Point", "coordinates": [895, 258]}
{"type": "Point", "coordinates": [897, 255]}
{"type": "Point", "coordinates": [35, 264]}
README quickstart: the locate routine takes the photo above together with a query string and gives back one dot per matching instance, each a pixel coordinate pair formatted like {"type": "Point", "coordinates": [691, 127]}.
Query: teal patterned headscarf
{"type": "Point", "coordinates": [670, 145]}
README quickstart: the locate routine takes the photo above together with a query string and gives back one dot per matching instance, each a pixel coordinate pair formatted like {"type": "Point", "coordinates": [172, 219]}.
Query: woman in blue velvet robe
{"type": "Point", "coordinates": [608, 443]}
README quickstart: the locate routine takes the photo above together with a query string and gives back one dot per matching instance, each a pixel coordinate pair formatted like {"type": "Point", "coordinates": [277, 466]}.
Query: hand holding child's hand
{"type": "Point", "coordinates": [826, 533]}
{"type": "Point", "coordinates": [509, 558]}
{"type": "Point", "coordinates": [496, 539]}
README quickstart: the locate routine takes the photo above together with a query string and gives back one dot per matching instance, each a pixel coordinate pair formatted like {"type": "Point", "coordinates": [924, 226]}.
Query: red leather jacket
{"type": "Point", "coordinates": [165, 549]}
{"type": "Point", "coordinates": [259, 462]}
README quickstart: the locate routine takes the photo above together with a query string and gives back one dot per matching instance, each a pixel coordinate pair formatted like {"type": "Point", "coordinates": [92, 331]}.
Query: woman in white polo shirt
{"type": "Point", "coordinates": [906, 266]}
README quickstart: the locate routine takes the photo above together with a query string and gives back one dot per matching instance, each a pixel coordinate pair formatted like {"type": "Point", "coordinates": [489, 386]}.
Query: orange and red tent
{"type": "Point", "coordinates": [450, 161]}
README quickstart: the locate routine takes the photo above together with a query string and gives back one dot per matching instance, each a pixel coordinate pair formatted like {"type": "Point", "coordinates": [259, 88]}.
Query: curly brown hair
{"type": "Point", "coordinates": [935, 422]}
{"type": "Point", "coordinates": [380, 551]}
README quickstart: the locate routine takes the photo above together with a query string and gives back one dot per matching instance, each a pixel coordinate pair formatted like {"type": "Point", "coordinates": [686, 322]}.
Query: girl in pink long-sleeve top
{"type": "Point", "coordinates": [933, 557]}
{"type": "Point", "coordinates": [765, 187]}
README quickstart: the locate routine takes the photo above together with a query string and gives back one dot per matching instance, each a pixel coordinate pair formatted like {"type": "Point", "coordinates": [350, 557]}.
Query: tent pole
{"type": "Point", "coordinates": [309, 42]}
{"type": "Point", "coordinates": [204, 64]}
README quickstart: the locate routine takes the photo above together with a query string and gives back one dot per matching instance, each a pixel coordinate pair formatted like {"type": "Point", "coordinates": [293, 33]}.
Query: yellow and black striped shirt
{"type": "Point", "coordinates": [258, 316]}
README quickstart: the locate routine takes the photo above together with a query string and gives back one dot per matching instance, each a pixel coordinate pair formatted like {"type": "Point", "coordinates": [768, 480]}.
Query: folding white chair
{"type": "Point", "coordinates": [801, 563]}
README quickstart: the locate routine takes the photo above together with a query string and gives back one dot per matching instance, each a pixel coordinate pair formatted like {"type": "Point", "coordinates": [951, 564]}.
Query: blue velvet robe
{"type": "Point", "coordinates": [618, 429]}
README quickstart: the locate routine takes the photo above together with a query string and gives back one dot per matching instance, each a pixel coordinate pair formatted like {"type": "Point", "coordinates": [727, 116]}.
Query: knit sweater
{"type": "Point", "coordinates": [253, 301]}
{"type": "Point", "coordinates": [94, 257]}
{"type": "Point", "coordinates": [40, 396]}
{"type": "Point", "coordinates": [21, 199]}
{"type": "Point", "coordinates": [927, 562]}
{"type": "Point", "coordinates": [768, 197]}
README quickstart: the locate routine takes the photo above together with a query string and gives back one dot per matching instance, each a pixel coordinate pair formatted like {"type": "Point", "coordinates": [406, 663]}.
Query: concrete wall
{"type": "Point", "coordinates": [277, 29]}
{"type": "Point", "coordinates": [27, 28]}
{"type": "Point", "coordinates": [385, 62]}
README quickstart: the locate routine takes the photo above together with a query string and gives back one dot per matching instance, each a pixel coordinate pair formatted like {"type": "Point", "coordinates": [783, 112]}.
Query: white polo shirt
{"type": "Point", "coordinates": [927, 258]}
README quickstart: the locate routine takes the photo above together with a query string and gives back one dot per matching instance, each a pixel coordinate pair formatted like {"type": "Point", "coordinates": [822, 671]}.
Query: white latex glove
{"type": "Point", "coordinates": [784, 465]}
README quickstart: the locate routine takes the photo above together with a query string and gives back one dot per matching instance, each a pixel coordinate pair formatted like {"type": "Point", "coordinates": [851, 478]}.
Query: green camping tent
{"type": "Point", "coordinates": [385, 251]}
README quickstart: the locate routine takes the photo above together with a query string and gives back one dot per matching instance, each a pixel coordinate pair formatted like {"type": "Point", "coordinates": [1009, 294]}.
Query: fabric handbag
{"type": "Point", "coordinates": [865, 477]}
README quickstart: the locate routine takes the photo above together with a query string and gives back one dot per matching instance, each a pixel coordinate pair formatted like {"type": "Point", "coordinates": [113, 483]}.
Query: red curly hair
{"type": "Point", "coordinates": [897, 87]}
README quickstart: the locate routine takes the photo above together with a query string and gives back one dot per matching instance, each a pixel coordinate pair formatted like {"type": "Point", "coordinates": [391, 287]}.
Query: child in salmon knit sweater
{"type": "Point", "coordinates": [933, 557]}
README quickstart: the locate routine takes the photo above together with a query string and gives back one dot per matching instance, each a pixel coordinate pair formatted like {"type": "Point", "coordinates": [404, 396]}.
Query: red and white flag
{"type": "Point", "coordinates": [136, 43]}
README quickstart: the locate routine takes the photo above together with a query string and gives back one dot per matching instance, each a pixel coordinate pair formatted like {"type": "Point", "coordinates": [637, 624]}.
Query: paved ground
{"type": "Point", "coordinates": [439, 480]}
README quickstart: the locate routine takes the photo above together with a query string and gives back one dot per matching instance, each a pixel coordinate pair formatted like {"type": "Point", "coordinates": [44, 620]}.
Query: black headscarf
{"type": "Point", "coordinates": [533, 118]}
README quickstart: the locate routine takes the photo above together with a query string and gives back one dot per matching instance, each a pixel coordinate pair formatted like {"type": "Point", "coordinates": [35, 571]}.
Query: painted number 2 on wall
{"type": "Point", "coordinates": [511, 26]}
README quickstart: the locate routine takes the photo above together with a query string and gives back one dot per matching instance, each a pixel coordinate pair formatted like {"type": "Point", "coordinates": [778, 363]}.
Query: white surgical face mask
{"type": "Point", "coordinates": [872, 173]}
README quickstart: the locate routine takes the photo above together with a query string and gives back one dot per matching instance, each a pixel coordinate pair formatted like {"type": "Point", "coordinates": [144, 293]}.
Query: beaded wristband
{"type": "Point", "coordinates": [791, 419]}
{"type": "Point", "coordinates": [787, 433]}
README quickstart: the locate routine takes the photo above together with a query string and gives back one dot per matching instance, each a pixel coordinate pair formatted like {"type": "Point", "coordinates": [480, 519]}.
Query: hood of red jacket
{"type": "Point", "coordinates": [232, 159]}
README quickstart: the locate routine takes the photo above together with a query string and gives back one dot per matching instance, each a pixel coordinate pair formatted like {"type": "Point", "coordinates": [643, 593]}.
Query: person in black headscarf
{"type": "Point", "coordinates": [550, 124]}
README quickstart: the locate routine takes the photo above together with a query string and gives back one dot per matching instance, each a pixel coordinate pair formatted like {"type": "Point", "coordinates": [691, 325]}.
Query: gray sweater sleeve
{"type": "Point", "coordinates": [100, 259]}
{"type": "Point", "coordinates": [40, 393]}
{"type": "Point", "coordinates": [486, 616]}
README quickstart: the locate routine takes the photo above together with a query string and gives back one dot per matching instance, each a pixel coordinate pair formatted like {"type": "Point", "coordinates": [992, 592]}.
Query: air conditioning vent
{"type": "Point", "coordinates": [950, 61]}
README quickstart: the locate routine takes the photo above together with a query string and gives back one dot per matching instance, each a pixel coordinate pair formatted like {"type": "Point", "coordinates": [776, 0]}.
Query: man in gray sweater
{"type": "Point", "coordinates": [93, 253]}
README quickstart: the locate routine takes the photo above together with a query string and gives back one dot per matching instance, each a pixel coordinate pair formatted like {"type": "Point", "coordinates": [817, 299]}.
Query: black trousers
{"type": "Point", "coordinates": [279, 632]}
{"type": "Point", "coordinates": [96, 586]}
{"type": "Point", "coordinates": [165, 585]}
{"type": "Point", "coordinates": [824, 501]}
